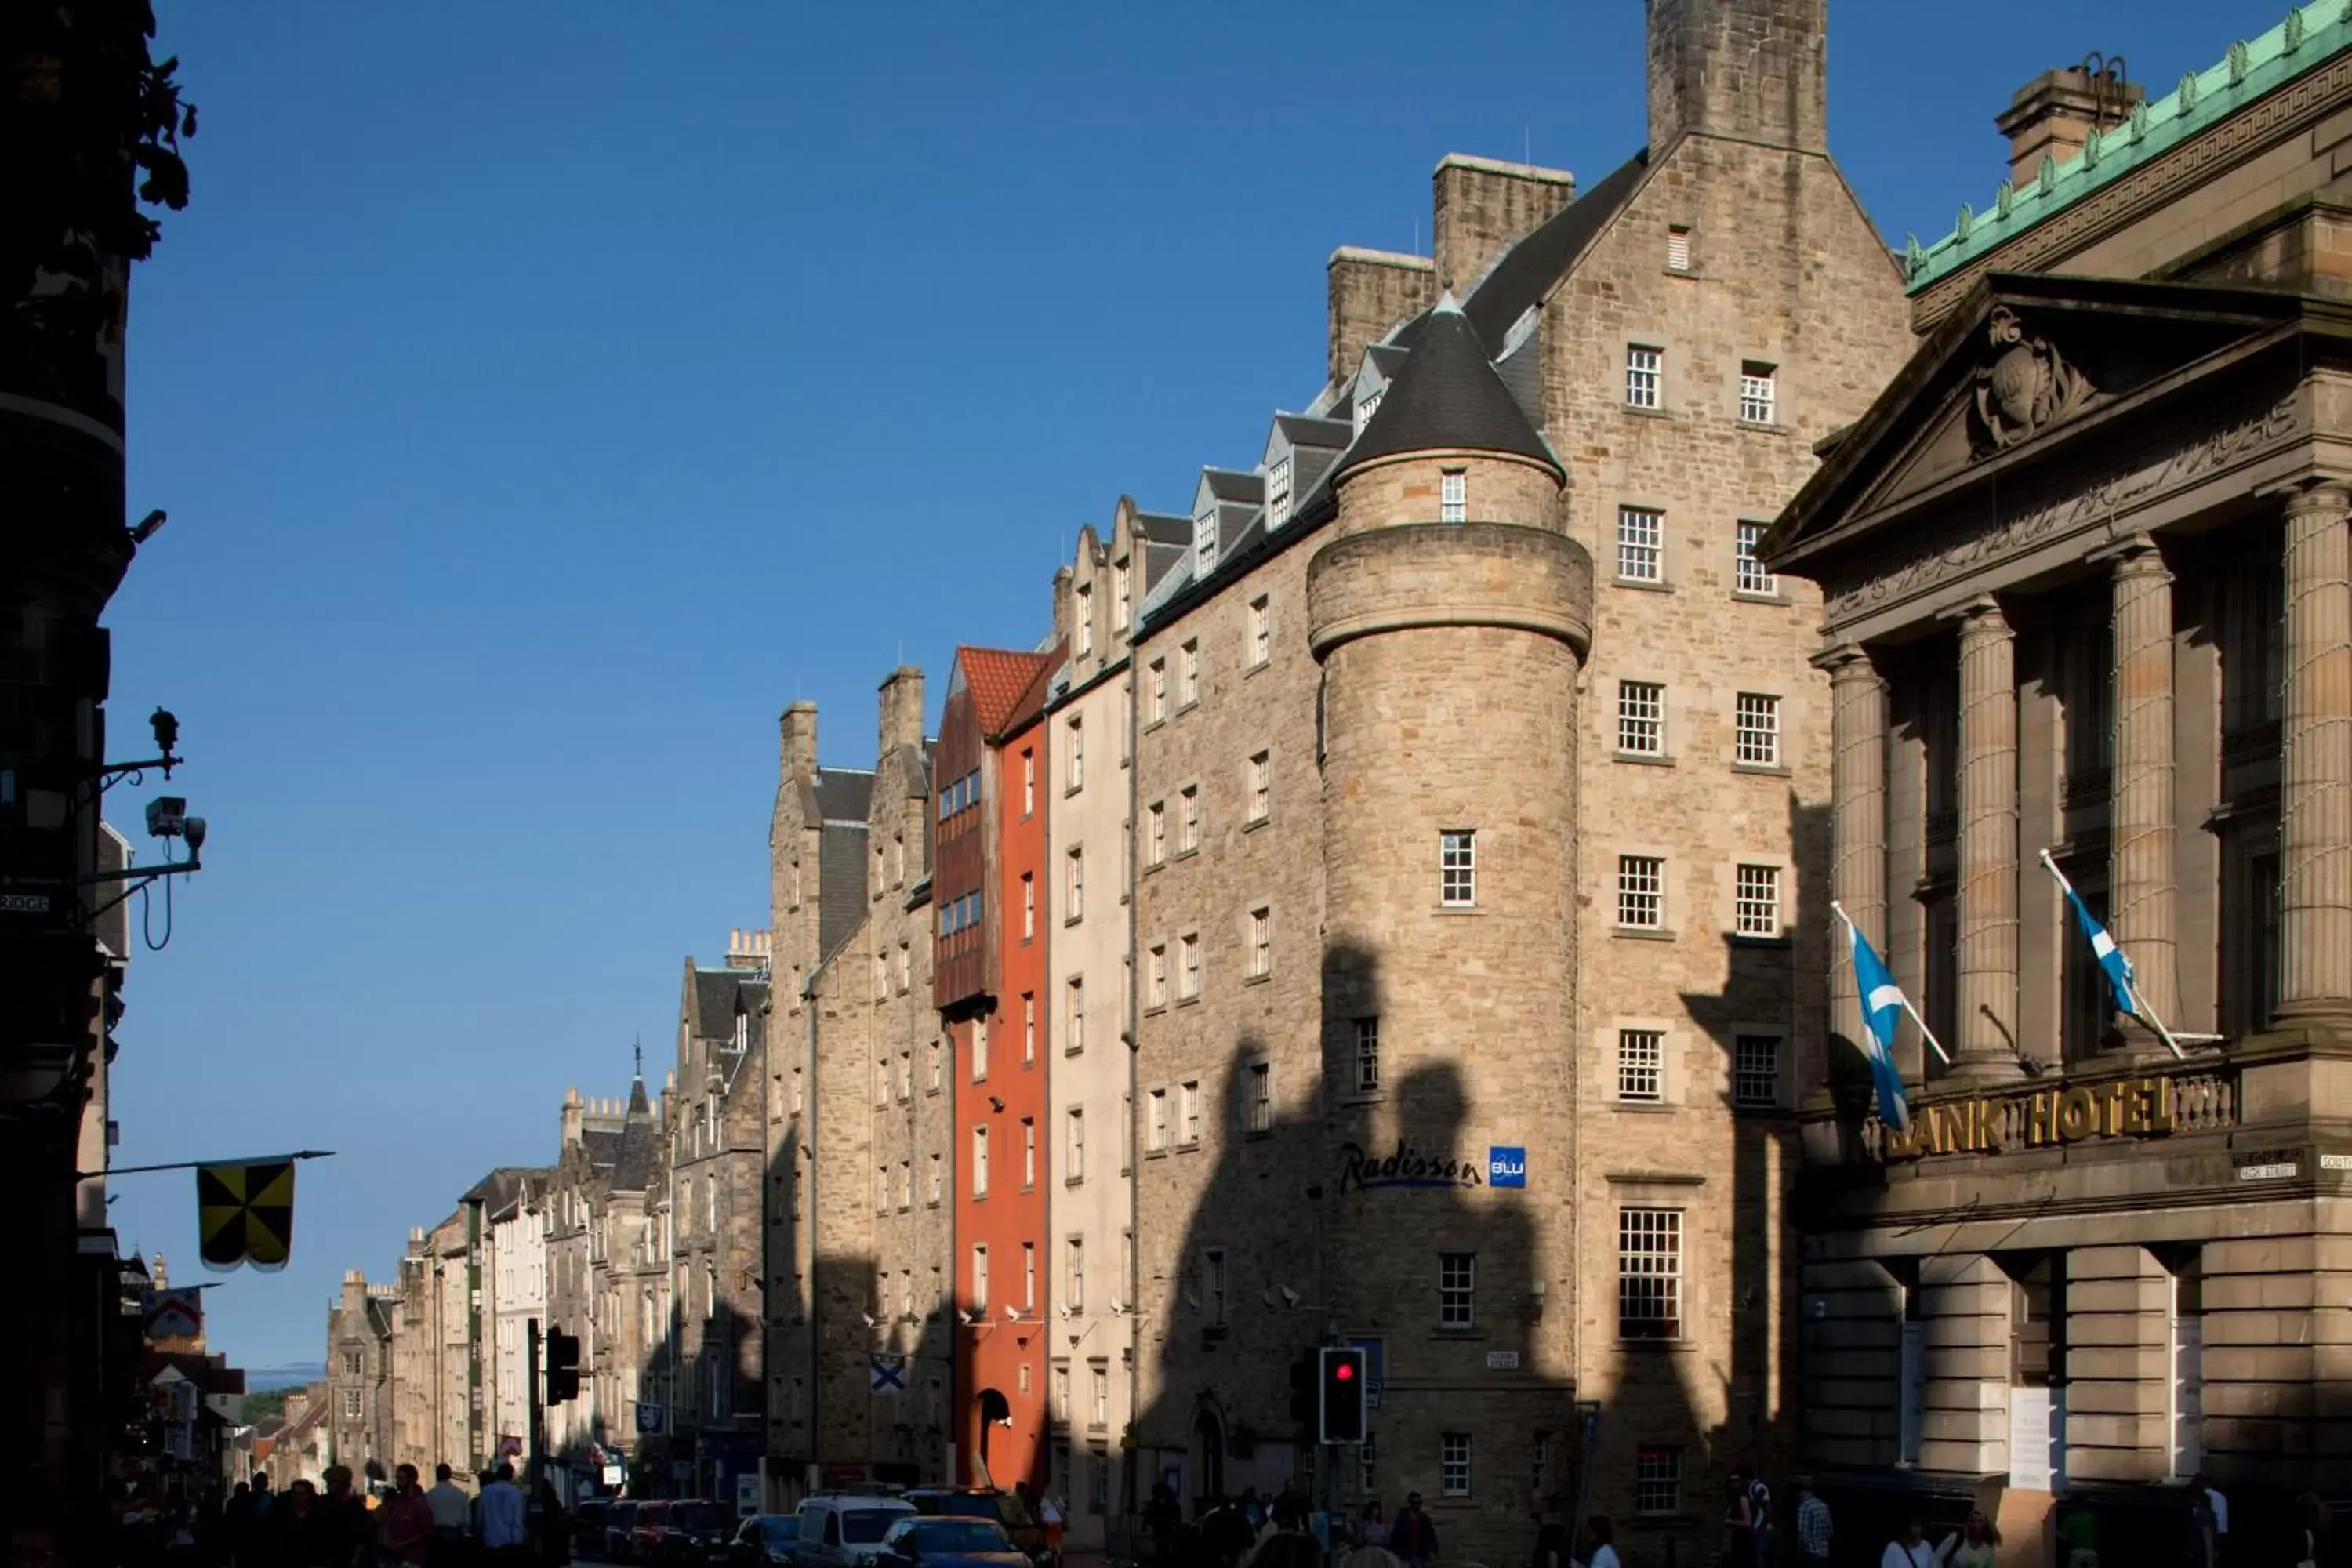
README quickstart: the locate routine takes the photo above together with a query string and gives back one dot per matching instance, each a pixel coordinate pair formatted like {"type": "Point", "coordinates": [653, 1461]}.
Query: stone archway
{"type": "Point", "coordinates": [1205, 1470]}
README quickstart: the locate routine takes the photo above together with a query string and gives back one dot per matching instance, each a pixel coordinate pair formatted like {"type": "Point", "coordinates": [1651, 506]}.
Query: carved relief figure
{"type": "Point", "coordinates": [2023, 387]}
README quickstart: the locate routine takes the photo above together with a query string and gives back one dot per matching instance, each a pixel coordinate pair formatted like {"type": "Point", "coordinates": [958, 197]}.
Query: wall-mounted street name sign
{"type": "Point", "coordinates": [2068, 1113]}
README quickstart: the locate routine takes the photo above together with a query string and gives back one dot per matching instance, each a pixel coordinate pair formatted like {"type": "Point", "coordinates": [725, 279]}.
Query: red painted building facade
{"type": "Point", "coordinates": [989, 772]}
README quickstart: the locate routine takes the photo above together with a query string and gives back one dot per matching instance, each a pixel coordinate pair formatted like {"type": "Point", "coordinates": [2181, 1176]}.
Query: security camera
{"type": "Point", "coordinates": [195, 829]}
{"type": "Point", "coordinates": [166, 726]}
{"type": "Point", "coordinates": [145, 528]}
{"type": "Point", "coordinates": [167, 815]}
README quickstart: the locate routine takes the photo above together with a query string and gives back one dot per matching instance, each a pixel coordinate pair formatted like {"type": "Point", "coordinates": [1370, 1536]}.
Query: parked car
{"type": "Point", "coordinates": [695, 1533]}
{"type": "Point", "coordinates": [844, 1530]}
{"type": "Point", "coordinates": [951, 1541]}
{"type": "Point", "coordinates": [652, 1524]}
{"type": "Point", "coordinates": [588, 1526]}
{"type": "Point", "coordinates": [619, 1519]}
{"type": "Point", "coordinates": [1027, 1531]}
{"type": "Point", "coordinates": [765, 1541]}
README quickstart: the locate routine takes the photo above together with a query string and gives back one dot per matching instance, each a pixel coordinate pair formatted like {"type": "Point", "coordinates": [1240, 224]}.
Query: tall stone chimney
{"type": "Point", "coordinates": [1745, 69]}
{"type": "Point", "coordinates": [902, 708]}
{"type": "Point", "coordinates": [1481, 205]}
{"type": "Point", "coordinates": [2055, 113]}
{"type": "Point", "coordinates": [1370, 291]}
{"type": "Point", "coordinates": [799, 727]}
{"type": "Point", "coordinates": [572, 1109]}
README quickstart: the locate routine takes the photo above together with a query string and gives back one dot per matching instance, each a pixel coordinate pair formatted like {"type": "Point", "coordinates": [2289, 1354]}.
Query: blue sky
{"type": "Point", "coordinates": [545, 394]}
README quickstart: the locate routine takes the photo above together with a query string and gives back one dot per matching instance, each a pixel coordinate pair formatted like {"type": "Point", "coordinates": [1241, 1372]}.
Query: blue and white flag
{"type": "Point", "coordinates": [2112, 962]}
{"type": "Point", "coordinates": [1882, 1006]}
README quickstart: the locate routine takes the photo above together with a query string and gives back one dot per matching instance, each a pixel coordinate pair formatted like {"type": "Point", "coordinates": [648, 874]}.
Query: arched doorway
{"type": "Point", "coordinates": [1206, 1472]}
{"type": "Point", "coordinates": [995, 1410]}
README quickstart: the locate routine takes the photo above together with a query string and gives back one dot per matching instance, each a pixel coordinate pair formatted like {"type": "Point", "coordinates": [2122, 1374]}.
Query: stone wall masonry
{"type": "Point", "coordinates": [1964, 1424]}
{"type": "Point", "coordinates": [1479, 205]}
{"type": "Point", "coordinates": [2119, 1333]}
{"type": "Point", "coordinates": [1370, 291]}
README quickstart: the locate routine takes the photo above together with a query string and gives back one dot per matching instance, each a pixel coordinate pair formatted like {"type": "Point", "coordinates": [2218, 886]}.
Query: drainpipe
{"type": "Point", "coordinates": [806, 1154]}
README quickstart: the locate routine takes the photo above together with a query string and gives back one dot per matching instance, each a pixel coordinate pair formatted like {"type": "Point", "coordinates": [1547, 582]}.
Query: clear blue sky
{"type": "Point", "coordinates": [545, 394]}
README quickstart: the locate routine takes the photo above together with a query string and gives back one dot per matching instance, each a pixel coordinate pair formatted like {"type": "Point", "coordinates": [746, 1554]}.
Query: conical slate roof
{"type": "Point", "coordinates": [1448, 398]}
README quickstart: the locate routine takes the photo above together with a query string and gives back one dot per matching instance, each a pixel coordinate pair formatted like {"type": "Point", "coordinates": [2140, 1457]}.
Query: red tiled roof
{"type": "Point", "coordinates": [1032, 704]}
{"type": "Point", "coordinates": [998, 678]}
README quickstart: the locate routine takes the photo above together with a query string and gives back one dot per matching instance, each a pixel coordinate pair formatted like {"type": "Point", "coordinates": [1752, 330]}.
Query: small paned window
{"type": "Point", "coordinates": [1641, 718]}
{"type": "Point", "coordinates": [1756, 729]}
{"type": "Point", "coordinates": [1458, 868]}
{"type": "Point", "coordinates": [1641, 891]}
{"type": "Point", "coordinates": [1452, 496]}
{"type": "Point", "coordinates": [1640, 1065]}
{"type": "Point", "coordinates": [1756, 901]}
{"type": "Point", "coordinates": [1641, 545]}
{"type": "Point", "coordinates": [1644, 370]}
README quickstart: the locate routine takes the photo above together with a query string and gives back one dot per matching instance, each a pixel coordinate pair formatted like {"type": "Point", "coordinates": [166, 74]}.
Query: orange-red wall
{"type": "Point", "coordinates": [997, 1352]}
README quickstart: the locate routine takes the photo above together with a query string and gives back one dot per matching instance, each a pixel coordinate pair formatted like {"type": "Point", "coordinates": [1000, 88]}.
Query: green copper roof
{"type": "Point", "coordinates": [2308, 37]}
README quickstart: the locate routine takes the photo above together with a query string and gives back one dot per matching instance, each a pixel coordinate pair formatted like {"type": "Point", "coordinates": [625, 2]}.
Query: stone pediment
{"type": "Point", "coordinates": [2007, 381]}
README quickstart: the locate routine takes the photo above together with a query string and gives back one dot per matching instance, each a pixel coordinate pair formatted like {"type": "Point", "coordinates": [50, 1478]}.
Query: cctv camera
{"type": "Point", "coordinates": [167, 815]}
{"type": "Point", "coordinates": [144, 529]}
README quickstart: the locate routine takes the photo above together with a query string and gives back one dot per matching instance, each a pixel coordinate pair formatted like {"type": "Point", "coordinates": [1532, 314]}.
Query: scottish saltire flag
{"type": "Point", "coordinates": [1882, 1010]}
{"type": "Point", "coordinates": [2112, 962]}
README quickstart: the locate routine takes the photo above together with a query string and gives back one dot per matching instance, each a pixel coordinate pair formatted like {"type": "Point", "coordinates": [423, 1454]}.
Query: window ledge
{"type": "Point", "coordinates": [1640, 412]}
{"type": "Point", "coordinates": [1192, 1001]}
{"type": "Point", "coordinates": [1069, 921]}
{"type": "Point", "coordinates": [1253, 669]}
{"type": "Point", "coordinates": [1363, 1097]}
{"type": "Point", "coordinates": [1257, 979]}
{"type": "Point", "coordinates": [1655, 1347]}
{"type": "Point", "coordinates": [1151, 866]}
{"type": "Point", "coordinates": [1473, 1333]}
{"type": "Point", "coordinates": [1067, 791]}
{"type": "Point", "coordinates": [1153, 724]}
{"type": "Point", "coordinates": [1155, 1009]}
{"type": "Point", "coordinates": [1644, 1106]}
{"type": "Point", "coordinates": [1661, 1521]}
{"type": "Point", "coordinates": [1641, 933]}
{"type": "Point", "coordinates": [1188, 1145]}
{"type": "Point", "coordinates": [1644, 759]}
{"type": "Point", "coordinates": [1185, 853]}
{"type": "Point", "coordinates": [1078, 1180]}
{"type": "Point", "coordinates": [1766, 427]}
{"type": "Point", "coordinates": [1642, 585]}
{"type": "Point", "coordinates": [1255, 823]}
{"type": "Point", "coordinates": [1749, 596]}
{"type": "Point", "coordinates": [1457, 909]}
{"type": "Point", "coordinates": [1078, 1050]}
{"type": "Point", "coordinates": [1187, 706]}
{"type": "Point", "coordinates": [1768, 770]}
{"type": "Point", "coordinates": [1741, 939]}
{"type": "Point", "coordinates": [1155, 1153]}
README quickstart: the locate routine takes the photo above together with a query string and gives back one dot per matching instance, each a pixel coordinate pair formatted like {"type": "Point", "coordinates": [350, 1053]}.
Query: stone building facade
{"type": "Point", "coordinates": [359, 1415]}
{"type": "Point", "coordinates": [2087, 614]}
{"type": "Point", "coordinates": [1090, 1378]}
{"type": "Point", "coordinates": [518, 1225]}
{"type": "Point", "coordinates": [1309, 1010]}
{"type": "Point", "coordinates": [717, 1143]}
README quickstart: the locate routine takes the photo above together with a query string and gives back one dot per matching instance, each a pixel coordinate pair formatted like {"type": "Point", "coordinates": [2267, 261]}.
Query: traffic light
{"type": "Point", "coordinates": [1341, 1394]}
{"type": "Point", "coordinates": [563, 1366]}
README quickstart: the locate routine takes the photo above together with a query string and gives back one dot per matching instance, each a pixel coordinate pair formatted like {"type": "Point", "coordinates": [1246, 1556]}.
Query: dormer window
{"type": "Point", "coordinates": [1278, 495]}
{"type": "Point", "coordinates": [1085, 616]}
{"type": "Point", "coordinates": [1122, 597]}
{"type": "Point", "coordinates": [1204, 539]}
{"type": "Point", "coordinates": [1368, 406]}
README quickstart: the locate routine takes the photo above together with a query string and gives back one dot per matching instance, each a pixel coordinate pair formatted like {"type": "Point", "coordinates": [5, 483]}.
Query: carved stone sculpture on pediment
{"type": "Point", "coordinates": [2023, 387]}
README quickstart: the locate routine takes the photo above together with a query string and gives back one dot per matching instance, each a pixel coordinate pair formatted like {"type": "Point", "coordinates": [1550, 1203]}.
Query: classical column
{"type": "Point", "coordinates": [1987, 992]}
{"type": "Point", "coordinates": [2316, 759]}
{"type": "Point", "coordinates": [1858, 819]}
{"type": "Point", "coordinates": [2141, 827]}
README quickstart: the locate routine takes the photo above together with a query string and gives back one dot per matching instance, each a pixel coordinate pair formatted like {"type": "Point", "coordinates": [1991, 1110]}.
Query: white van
{"type": "Point", "coordinates": [844, 1530]}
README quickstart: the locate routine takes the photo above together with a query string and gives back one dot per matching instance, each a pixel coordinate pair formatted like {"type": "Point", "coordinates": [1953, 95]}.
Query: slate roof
{"type": "Point", "coordinates": [379, 1318]}
{"type": "Point", "coordinates": [843, 794]}
{"type": "Point", "coordinates": [717, 995]}
{"type": "Point", "coordinates": [998, 678]}
{"type": "Point", "coordinates": [1303, 431]}
{"type": "Point", "coordinates": [841, 877]}
{"type": "Point", "coordinates": [600, 1148]}
{"type": "Point", "coordinates": [1520, 277]}
{"type": "Point", "coordinates": [505, 1185]}
{"type": "Point", "coordinates": [638, 1160]}
{"type": "Point", "coordinates": [1226, 485]}
{"type": "Point", "coordinates": [1161, 529]}
{"type": "Point", "coordinates": [1448, 398]}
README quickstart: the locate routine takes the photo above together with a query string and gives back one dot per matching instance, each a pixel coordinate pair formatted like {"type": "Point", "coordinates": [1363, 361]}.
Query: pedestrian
{"type": "Point", "coordinates": [1971, 1546]}
{"type": "Point", "coordinates": [2078, 1534]}
{"type": "Point", "coordinates": [2314, 1520]}
{"type": "Point", "coordinates": [1762, 1532]}
{"type": "Point", "coordinates": [1738, 1546]}
{"type": "Point", "coordinates": [1411, 1536]}
{"type": "Point", "coordinates": [300, 1535]}
{"type": "Point", "coordinates": [407, 1520]}
{"type": "Point", "coordinates": [1815, 1529]}
{"type": "Point", "coordinates": [1049, 1514]}
{"type": "Point", "coordinates": [502, 1516]}
{"type": "Point", "coordinates": [2211, 1512]}
{"type": "Point", "coordinates": [554, 1527]}
{"type": "Point", "coordinates": [1910, 1549]}
{"type": "Point", "coordinates": [1161, 1518]}
{"type": "Point", "coordinates": [1603, 1552]}
{"type": "Point", "coordinates": [453, 1515]}
{"type": "Point", "coordinates": [1372, 1529]}
{"type": "Point", "coordinates": [350, 1534]}
{"type": "Point", "coordinates": [1554, 1549]}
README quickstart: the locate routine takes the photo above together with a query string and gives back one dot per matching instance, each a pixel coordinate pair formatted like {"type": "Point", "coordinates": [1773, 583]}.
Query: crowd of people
{"type": "Point", "coordinates": [1759, 1531]}
{"type": "Point", "coordinates": [333, 1523]}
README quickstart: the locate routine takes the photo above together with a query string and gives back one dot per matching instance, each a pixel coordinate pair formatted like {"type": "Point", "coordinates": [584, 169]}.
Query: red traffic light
{"type": "Point", "coordinates": [1345, 1371]}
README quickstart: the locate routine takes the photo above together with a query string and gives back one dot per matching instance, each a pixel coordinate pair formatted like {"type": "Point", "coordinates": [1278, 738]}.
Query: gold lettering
{"type": "Point", "coordinates": [2111, 1108]}
{"type": "Point", "coordinates": [2078, 1114]}
{"type": "Point", "coordinates": [2135, 1116]}
{"type": "Point", "coordinates": [2040, 1122]}
{"type": "Point", "coordinates": [2160, 1116]}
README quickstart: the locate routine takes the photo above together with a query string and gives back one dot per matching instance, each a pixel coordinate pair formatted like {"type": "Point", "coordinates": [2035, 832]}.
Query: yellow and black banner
{"type": "Point", "coordinates": [244, 1214]}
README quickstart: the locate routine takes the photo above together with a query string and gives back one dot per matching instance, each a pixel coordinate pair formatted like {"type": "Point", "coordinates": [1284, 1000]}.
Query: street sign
{"type": "Point", "coordinates": [1506, 1165]}
{"type": "Point", "coordinates": [1502, 1361]}
{"type": "Point", "coordinates": [648, 1416]}
{"type": "Point", "coordinates": [886, 1374]}
{"type": "Point", "coordinates": [612, 1475]}
{"type": "Point", "coordinates": [747, 1492]}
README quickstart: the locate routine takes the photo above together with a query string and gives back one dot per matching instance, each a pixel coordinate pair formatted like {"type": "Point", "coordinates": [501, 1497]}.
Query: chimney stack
{"type": "Point", "coordinates": [1481, 205]}
{"type": "Point", "coordinates": [571, 1109]}
{"type": "Point", "coordinates": [799, 727]}
{"type": "Point", "coordinates": [1751, 70]}
{"type": "Point", "coordinates": [902, 708]}
{"type": "Point", "coordinates": [1370, 291]}
{"type": "Point", "coordinates": [2056, 113]}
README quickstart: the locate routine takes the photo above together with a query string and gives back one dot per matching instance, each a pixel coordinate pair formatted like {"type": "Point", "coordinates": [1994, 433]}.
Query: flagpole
{"type": "Point", "coordinates": [1925, 1032]}
{"type": "Point", "coordinates": [200, 1164]}
{"type": "Point", "coordinates": [2141, 1011]}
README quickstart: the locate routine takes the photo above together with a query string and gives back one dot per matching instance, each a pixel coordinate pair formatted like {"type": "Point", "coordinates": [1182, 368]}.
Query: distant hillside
{"type": "Point", "coordinates": [262, 1379]}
